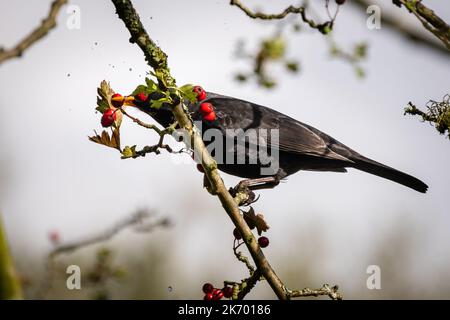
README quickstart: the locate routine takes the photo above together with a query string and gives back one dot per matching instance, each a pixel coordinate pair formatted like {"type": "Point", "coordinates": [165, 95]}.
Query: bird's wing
{"type": "Point", "coordinates": [294, 136]}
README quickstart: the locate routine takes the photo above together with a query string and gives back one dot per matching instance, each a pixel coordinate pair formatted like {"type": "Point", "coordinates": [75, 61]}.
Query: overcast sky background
{"type": "Point", "coordinates": [325, 227]}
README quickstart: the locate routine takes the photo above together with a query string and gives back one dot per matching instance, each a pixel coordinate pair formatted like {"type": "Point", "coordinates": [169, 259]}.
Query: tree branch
{"type": "Point", "coordinates": [429, 20]}
{"type": "Point", "coordinates": [438, 113]}
{"type": "Point", "coordinates": [157, 59]}
{"type": "Point", "coordinates": [323, 27]}
{"type": "Point", "coordinates": [46, 25]}
{"type": "Point", "coordinates": [10, 287]}
{"type": "Point", "coordinates": [409, 33]}
{"type": "Point", "coordinates": [135, 220]}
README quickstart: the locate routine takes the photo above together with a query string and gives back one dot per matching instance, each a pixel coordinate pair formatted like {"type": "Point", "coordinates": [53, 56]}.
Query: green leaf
{"type": "Point", "coordinates": [140, 89]}
{"type": "Point", "coordinates": [129, 152]}
{"type": "Point", "coordinates": [292, 66]}
{"type": "Point", "coordinates": [151, 85]}
{"type": "Point", "coordinates": [188, 93]}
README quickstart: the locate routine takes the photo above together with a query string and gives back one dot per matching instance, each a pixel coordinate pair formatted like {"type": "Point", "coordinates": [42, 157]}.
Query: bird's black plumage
{"type": "Point", "coordinates": [300, 146]}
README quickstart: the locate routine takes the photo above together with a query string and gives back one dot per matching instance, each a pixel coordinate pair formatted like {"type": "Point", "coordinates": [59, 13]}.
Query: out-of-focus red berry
{"type": "Point", "coordinates": [227, 292]}
{"type": "Point", "coordinates": [208, 288]}
{"type": "Point", "coordinates": [208, 296]}
{"type": "Point", "coordinates": [237, 234]}
{"type": "Point", "coordinates": [263, 241]}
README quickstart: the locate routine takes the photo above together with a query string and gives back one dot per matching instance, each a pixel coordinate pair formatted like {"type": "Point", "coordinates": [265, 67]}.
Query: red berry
{"type": "Point", "coordinates": [54, 237]}
{"type": "Point", "coordinates": [237, 234]}
{"type": "Point", "coordinates": [206, 108]}
{"type": "Point", "coordinates": [200, 168]}
{"type": "Point", "coordinates": [263, 241]}
{"type": "Point", "coordinates": [208, 296]}
{"type": "Point", "coordinates": [117, 100]}
{"type": "Point", "coordinates": [201, 94]}
{"type": "Point", "coordinates": [210, 116]}
{"type": "Point", "coordinates": [217, 294]}
{"type": "Point", "coordinates": [142, 97]}
{"type": "Point", "coordinates": [227, 292]}
{"type": "Point", "coordinates": [208, 288]}
{"type": "Point", "coordinates": [108, 118]}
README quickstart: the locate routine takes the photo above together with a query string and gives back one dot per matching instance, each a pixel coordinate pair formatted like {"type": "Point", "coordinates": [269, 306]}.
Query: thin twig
{"type": "Point", "coordinates": [46, 25]}
{"type": "Point", "coordinates": [137, 219]}
{"type": "Point", "coordinates": [301, 10]}
{"type": "Point", "coordinates": [326, 290]}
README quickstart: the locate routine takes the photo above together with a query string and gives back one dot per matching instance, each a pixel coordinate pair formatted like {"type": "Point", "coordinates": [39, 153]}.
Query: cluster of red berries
{"type": "Point", "coordinates": [263, 241]}
{"type": "Point", "coordinates": [206, 108]}
{"type": "Point", "coordinates": [212, 293]}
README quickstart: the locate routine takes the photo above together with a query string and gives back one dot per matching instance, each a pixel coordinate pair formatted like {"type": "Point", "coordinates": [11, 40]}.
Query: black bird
{"type": "Point", "coordinates": [299, 146]}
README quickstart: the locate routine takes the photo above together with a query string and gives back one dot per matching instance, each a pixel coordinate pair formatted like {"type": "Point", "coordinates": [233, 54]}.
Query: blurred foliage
{"type": "Point", "coordinates": [271, 50]}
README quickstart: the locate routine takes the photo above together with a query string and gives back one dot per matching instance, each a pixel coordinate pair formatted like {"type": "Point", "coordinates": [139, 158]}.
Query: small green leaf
{"type": "Point", "coordinates": [292, 66]}
{"type": "Point", "coordinates": [128, 152]}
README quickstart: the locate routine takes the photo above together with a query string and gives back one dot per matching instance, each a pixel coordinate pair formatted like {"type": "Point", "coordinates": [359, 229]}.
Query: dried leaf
{"type": "Point", "coordinates": [105, 139]}
{"type": "Point", "coordinates": [256, 220]}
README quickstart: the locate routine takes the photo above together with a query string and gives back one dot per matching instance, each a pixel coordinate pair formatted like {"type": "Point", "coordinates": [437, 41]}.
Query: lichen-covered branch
{"type": "Point", "coordinates": [10, 286]}
{"type": "Point", "coordinates": [46, 25]}
{"type": "Point", "coordinates": [326, 290]}
{"type": "Point", "coordinates": [429, 19]}
{"type": "Point", "coordinates": [412, 34]}
{"type": "Point", "coordinates": [438, 113]}
{"type": "Point", "coordinates": [157, 59]}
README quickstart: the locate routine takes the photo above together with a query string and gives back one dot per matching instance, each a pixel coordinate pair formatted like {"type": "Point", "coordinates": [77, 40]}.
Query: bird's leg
{"type": "Point", "coordinates": [243, 191]}
{"type": "Point", "coordinates": [259, 183]}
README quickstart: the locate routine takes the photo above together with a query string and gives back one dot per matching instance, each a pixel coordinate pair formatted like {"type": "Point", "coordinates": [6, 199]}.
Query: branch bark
{"type": "Point", "coordinates": [157, 59]}
{"type": "Point", "coordinates": [41, 31]}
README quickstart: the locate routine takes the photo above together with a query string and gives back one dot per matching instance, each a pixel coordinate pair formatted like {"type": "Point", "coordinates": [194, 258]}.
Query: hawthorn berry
{"type": "Point", "coordinates": [54, 237]}
{"type": "Point", "coordinates": [117, 100]}
{"type": "Point", "coordinates": [217, 294]}
{"type": "Point", "coordinates": [141, 97]}
{"type": "Point", "coordinates": [208, 288]}
{"type": "Point", "coordinates": [263, 241]}
{"type": "Point", "coordinates": [208, 296]}
{"type": "Point", "coordinates": [200, 168]}
{"type": "Point", "coordinates": [210, 116]}
{"type": "Point", "coordinates": [237, 234]}
{"type": "Point", "coordinates": [201, 94]}
{"type": "Point", "coordinates": [108, 118]}
{"type": "Point", "coordinates": [206, 108]}
{"type": "Point", "coordinates": [227, 292]}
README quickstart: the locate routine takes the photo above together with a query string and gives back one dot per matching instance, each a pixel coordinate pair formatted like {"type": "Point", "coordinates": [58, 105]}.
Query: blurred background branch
{"type": "Point", "coordinates": [10, 286]}
{"type": "Point", "coordinates": [410, 33]}
{"type": "Point", "coordinates": [41, 31]}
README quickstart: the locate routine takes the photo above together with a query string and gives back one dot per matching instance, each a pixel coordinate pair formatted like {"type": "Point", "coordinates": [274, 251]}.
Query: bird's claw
{"type": "Point", "coordinates": [243, 195]}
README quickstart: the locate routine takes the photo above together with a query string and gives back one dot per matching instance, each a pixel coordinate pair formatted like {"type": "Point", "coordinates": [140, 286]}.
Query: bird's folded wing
{"type": "Point", "coordinates": [294, 137]}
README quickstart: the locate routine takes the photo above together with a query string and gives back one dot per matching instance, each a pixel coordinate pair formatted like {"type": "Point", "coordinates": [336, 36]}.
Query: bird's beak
{"type": "Point", "coordinates": [129, 101]}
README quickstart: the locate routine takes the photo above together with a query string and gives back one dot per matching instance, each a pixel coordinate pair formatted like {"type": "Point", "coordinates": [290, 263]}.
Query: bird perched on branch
{"type": "Point", "coordinates": [295, 145]}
